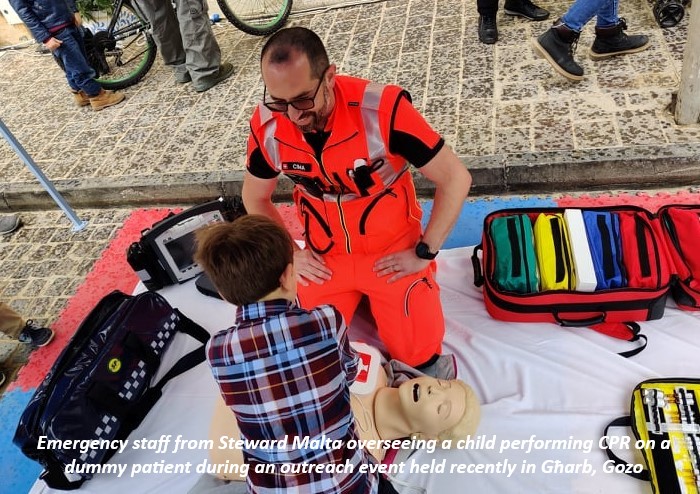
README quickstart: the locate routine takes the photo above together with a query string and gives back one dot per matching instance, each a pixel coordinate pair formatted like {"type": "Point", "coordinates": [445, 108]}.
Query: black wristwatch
{"type": "Point", "coordinates": [423, 251]}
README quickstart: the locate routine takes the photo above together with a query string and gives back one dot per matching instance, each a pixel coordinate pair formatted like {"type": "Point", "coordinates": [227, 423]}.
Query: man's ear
{"type": "Point", "coordinates": [288, 279]}
{"type": "Point", "coordinates": [330, 75]}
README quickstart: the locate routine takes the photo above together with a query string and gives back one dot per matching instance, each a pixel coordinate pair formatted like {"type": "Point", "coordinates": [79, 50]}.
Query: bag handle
{"type": "Point", "coordinates": [624, 421]}
{"type": "Point", "coordinates": [476, 264]}
{"type": "Point", "coordinates": [579, 323]}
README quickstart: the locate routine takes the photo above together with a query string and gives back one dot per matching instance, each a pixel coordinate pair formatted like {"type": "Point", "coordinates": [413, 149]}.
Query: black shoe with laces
{"type": "Point", "coordinates": [526, 9]}
{"type": "Point", "coordinates": [557, 45]}
{"type": "Point", "coordinates": [488, 31]}
{"type": "Point", "coordinates": [35, 335]}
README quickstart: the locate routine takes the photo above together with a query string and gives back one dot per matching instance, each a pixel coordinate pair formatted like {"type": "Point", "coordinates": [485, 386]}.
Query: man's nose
{"type": "Point", "coordinates": [293, 113]}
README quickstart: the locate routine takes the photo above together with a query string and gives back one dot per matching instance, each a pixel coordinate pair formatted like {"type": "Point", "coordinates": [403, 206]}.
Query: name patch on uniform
{"type": "Point", "coordinates": [292, 165]}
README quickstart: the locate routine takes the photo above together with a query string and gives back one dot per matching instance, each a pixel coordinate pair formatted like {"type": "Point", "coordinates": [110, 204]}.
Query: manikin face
{"type": "Point", "coordinates": [431, 405]}
{"type": "Point", "coordinates": [292, 82]}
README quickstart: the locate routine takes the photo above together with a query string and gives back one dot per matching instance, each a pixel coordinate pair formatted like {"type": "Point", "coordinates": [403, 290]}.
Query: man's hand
{"type": "Point", "coordinates": [399, 264]}
{"type": "Point", "coordinates": [53, 43]}
{"type": "Point", "coordinates": [77, 20]}
{"type": "Point", "coordinates": [310, 267]}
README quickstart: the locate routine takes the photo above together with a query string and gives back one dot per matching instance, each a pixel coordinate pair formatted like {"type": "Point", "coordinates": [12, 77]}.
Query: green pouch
{"type": "Point", "coordinates": [515, 267]}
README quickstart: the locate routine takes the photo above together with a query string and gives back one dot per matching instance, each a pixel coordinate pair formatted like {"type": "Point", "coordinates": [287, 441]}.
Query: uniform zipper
{"type": "Point", "coordinates": [410, 288]}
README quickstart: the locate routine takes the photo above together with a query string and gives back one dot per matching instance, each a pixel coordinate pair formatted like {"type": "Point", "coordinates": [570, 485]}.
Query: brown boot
{"type": "Point", "coordinates": [81, 99]}
{"type": "Point", "coordinates": [106, 98]}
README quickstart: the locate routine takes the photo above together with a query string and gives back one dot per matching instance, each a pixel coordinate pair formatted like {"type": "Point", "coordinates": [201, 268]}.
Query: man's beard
{"type": "Point", "coordinates": [318, 118]}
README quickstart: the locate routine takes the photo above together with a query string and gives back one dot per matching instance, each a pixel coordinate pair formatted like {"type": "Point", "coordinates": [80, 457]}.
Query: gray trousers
{"type": "Point", "coordinates": [186, 40]}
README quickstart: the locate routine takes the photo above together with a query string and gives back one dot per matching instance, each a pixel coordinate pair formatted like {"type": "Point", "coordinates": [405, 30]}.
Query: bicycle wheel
{"type": "Point", "coordinates": [257, 17]}
{"type": "Point", "coordinates": [126, 55]}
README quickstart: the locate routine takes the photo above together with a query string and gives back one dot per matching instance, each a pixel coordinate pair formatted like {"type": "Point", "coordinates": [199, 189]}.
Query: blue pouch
{"type": "Point", "coordinates": [603, 232]}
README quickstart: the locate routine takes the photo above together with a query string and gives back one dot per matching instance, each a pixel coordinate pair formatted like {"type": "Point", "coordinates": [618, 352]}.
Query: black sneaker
{"type": "Point", "coordinates": [2, 378]}
{"type": "Point", "coordinates": [526, 9]}
{"type": "Point", "coordinates": [488, 31]}
{"type": "Point", "coordinates": [35, 335]}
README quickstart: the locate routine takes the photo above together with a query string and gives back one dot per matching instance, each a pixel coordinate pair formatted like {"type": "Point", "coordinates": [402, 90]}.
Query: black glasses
{"type": "Point", "coordinates": [299, 104]}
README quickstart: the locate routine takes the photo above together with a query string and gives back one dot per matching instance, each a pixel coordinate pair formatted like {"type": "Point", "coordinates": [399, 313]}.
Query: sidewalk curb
{"type": "Point", "coordinates": [637, 167]}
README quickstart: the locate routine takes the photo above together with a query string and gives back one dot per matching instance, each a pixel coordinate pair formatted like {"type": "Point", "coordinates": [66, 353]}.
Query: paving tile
{"type": "Point", "coordinates": [602, 134]}
{"type": "Point", "coordinates": [486, 99]}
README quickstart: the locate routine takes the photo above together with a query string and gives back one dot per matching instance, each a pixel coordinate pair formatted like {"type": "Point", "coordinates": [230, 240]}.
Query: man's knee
{"type": "Point", "coordinates": [414, 332]}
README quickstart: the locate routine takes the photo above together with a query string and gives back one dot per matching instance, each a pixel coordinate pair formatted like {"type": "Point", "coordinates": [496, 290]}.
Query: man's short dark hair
{"type": "Point", "coordinates": [244, 259]}
{"type": "Point", "coordinates": [285, 42]}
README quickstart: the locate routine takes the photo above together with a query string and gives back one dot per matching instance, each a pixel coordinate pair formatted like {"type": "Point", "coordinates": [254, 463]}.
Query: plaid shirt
{"type": "Point", "coordinates": [285, 372]}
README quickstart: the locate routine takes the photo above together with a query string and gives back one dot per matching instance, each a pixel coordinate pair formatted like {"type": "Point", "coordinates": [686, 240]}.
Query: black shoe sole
{"type": "Point", "coordinates": [543, 53]}
{"type": "Point", "coordinates": [520, 14]}
{"type": "Point", "coordinates": [601, 56]}
{"type": "Point", "coordinates": [488, 41]}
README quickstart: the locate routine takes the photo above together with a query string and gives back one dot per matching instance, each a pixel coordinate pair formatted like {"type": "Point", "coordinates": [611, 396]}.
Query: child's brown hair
{"type": "Point", "coordinates": [246, 258]}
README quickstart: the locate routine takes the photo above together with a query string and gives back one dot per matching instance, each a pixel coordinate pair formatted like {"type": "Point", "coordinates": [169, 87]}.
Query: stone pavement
{"type": "Point", "coordinates": [515, 123]}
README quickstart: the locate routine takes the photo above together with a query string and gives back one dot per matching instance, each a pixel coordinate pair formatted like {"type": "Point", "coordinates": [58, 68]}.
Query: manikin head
{"type": "Point", "coordinates": [439, 409]}
{"type": "Point", "coordinates": [298, 78]}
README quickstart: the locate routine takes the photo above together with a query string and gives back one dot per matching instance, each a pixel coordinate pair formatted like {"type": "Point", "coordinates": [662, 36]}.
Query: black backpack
{"type": "Point", "coordinates": [100, 386]}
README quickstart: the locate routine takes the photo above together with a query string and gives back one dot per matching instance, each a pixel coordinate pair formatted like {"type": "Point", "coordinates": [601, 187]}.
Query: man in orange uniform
{"type": "Point", "coordinates": [346, 143]}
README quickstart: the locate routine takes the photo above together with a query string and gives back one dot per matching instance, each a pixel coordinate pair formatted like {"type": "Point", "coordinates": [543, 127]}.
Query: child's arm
{"type": "Point", "coordinates": [349, 358]}
{"type": "Point", "coordinates": [32, 21]}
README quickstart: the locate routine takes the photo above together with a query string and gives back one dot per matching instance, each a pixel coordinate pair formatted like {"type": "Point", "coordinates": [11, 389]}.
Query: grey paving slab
{"type": "Point", "coordinates": [514, 122]}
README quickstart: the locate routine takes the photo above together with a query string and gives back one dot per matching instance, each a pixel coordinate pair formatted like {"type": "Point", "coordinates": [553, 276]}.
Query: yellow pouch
{"type": "Point", "coordinates": [553, 252]}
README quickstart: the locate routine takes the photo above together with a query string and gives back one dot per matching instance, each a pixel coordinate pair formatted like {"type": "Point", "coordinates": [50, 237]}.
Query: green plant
{"type": "Point", "coordinates": [87, 7]}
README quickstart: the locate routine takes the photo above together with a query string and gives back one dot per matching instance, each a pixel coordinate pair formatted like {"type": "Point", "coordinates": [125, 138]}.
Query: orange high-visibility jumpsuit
{"type": "Point", "coordinates": [357, 203]}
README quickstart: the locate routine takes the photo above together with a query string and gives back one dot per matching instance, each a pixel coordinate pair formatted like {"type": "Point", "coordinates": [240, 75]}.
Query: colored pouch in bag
{"type": "Point", "coordinates": [640, 251]}
{"type": "Point", "coordinates": [665, 418]}
{"type": "Point", "coordinates": [603, 230]}
{"type": "Point", "coordinates": [553, 251]}
{"type": "Point", "coordinates": [515, 267]}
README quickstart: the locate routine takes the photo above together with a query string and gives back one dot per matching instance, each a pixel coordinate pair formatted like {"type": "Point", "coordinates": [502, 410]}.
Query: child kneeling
{"type": "Point", "coordinates": [285, 372]}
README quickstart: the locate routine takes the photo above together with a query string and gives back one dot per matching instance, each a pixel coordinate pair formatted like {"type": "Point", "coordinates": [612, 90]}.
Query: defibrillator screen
{"type": "Point", "coordinates": [181, 250]}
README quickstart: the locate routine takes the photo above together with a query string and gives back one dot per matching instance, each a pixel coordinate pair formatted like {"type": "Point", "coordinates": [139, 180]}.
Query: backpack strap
{"type": "Point", "coordinates": [187, 362]}
{"type": "Point", "coordinates": [624, 421]}
{"type": "Point", "coordinates": [628, 331]}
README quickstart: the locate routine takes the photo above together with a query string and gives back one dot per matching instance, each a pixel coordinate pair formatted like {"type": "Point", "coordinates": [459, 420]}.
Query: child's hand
{"type": "Point", "coordinates": [77, 20]}
{"type": "Point", "coordinates": [53, 43]}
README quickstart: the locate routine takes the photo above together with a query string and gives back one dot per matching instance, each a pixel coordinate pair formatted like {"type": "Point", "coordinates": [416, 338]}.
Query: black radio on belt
{"type": "Point", "coordinates": [164, 255]}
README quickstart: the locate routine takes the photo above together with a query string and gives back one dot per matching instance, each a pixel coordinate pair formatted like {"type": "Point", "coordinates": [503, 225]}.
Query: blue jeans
{"type": "Point", "coordinates": [72, 55]}
{"type": "Point", "coordinates": [583, 11]}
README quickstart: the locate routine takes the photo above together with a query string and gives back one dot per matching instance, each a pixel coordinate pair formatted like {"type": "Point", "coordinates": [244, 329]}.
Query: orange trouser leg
{"type": "Point", "coordinates": [11, 323]}
{"type": "Point", "coordinates": [408, 312]}
{"type": "Point", "coordinates": [340, 291]}
{"type": "Point", "coordinates": [409, 315]}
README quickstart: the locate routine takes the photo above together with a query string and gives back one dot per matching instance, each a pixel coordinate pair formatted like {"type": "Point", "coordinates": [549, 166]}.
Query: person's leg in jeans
{"type": "Point", "coordinates": [79, 74]}
{"type": "Point", "coordinates": [582, 11]}
{"type": "Point", "coordinates": [607, 14]}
